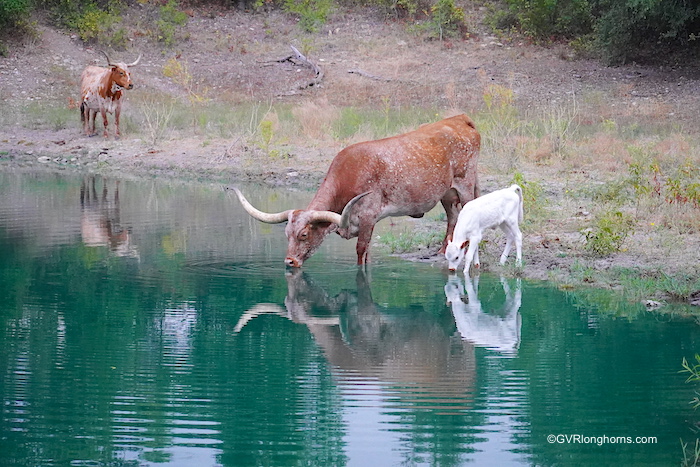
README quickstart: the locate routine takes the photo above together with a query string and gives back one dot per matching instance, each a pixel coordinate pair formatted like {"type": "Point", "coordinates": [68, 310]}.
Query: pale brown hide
{"type": "Point", "coordinates": [101, 91]}
{"type": "Point", "coordinates": [405, 175]}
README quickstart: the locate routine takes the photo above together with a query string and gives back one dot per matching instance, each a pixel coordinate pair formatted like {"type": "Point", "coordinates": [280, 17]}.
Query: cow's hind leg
{"type": "Point", "coordinates": [513, 234]}
{"type": "Point", "coordinates": [92, 118]}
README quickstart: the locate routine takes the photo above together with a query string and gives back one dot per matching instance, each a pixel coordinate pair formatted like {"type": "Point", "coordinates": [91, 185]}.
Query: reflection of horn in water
{"type": "Point", "coordinates": [271, 308]}
{"type": "Point", "coordinates": [257, 310]}
{"type": "Point", "coordinates": [497, 330]}
{"type": "Point", "coordinates": [413, 353]}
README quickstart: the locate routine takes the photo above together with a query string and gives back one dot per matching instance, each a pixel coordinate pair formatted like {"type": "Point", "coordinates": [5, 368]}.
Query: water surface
{"type": "Point", "coordinates": [147, 323]}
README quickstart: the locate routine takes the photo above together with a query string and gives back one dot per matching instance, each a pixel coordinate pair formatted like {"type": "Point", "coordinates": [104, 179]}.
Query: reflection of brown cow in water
{"type": "Point", "coordinates": [428, 360]}
{"type": "Point", "coordinates": [100, 220]}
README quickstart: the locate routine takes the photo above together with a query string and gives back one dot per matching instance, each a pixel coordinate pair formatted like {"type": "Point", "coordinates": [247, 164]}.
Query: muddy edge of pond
{"type": "Point", "coordinates": [553, 250]}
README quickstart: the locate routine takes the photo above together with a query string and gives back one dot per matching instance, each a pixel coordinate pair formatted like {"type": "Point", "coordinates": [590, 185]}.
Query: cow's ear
{"type": "Point", "coordinates": [464, 245]}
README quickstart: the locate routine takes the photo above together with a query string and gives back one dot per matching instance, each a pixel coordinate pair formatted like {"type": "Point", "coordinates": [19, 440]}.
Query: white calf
{"type": "Point", "coordinates": [502, 208]}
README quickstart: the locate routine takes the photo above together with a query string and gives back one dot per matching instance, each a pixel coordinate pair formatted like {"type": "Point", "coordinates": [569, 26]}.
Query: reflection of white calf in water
{"type": "Point", "coordinates": [498, 330]}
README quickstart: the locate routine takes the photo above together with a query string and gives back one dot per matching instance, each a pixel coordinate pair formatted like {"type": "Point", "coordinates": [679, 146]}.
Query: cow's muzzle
{"type": "Point", "coordinates": [292, 262]}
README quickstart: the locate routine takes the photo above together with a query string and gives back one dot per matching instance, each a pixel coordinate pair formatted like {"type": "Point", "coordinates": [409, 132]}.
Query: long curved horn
{"type": "Point", "coordinates": [136, 62]}
{"type": "Point", "coordinates": [109, 62]}
{"type": "Point", "coordinates": [268, 218]}
{"type": "Point", "coordinates": [342, 219]}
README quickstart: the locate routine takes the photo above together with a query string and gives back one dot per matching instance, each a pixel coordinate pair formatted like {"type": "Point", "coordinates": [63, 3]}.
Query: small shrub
{"type": "Point", "coordinates": [95, 24]}
{"type": "Point", "coordinates": [446, 20]}
{"type": "Point", "coordinates": [534, 203]}
{"type": "Point", "coordinates": [544, 19]}
{"type": "Point", "coordinates": [171, 18]}
{"type": "Point", "coordinates": [157, 113]}
{"type": "Point", "coordinates": [684, 185]}
{"type": "Point", "coordinates": [13, 13]}
{"type": "Point", "coordinates": [609, 232]}
{"type": "Point", "coordinates": [312, 13]}
{"type": "Point", "coordinates": [267, 134]}
{"type": "Point", "coordinates": [179, 72]}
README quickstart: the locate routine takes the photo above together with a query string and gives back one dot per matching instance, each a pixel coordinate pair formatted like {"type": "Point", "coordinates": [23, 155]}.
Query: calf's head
{"type": "Point", "coordinates": [454, 253]}
{"type": "Point", "coordinates": [306, 228]}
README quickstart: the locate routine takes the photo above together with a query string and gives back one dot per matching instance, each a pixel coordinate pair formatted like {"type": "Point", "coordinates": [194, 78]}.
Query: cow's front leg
{"type": "Point", "coordinates": [363, 241]}
{"type": "Point", "coordinates": [104, 122]}
{"type": "Point", "coordinates": [472, 255]}
{"type": "Point", "coordinates": [117, 113]}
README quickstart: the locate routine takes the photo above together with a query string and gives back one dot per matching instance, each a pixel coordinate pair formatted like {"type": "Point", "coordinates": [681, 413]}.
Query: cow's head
{"type": "Point", "coordinates": [454, 253]}
{"type": "Point", "coordinates": [121, 76]}
{"type": "Point", "coordinates": [305, 229]}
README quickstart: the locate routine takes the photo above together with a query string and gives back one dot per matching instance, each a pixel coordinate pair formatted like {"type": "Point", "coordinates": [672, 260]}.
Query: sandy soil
{"type": "Point", "coordinates": [235, 57]}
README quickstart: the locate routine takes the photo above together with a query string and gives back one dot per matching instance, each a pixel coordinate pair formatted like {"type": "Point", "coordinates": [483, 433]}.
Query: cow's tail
{"type": "Point", "coordinates": [519, 191]}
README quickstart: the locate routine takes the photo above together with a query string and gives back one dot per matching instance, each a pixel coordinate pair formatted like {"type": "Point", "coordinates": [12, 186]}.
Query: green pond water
{"type": "Point", "coordinates": [147, 323]}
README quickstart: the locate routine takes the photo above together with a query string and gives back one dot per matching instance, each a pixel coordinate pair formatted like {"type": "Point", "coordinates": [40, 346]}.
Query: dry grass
{"type": "Point", "coordinates": [316, 119]}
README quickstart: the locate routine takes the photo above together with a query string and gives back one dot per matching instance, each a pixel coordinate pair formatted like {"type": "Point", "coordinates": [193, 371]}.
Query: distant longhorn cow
{"type": "Point", "coordinates": [101, 90]}
{"type": "Point", "coordinates": [404, 175]}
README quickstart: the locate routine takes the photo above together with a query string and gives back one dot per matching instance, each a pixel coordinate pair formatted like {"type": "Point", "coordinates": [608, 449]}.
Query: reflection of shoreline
{"type": "Point", "coordinates": [497, 330]}
{"type": "Point", "coordinates": [413, 354]}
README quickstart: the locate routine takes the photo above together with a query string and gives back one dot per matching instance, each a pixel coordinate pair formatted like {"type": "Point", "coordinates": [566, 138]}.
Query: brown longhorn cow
{"type": "Point", "coordinates": [101, 91]}
{"type": "Point", "coordinates": [404, 175]}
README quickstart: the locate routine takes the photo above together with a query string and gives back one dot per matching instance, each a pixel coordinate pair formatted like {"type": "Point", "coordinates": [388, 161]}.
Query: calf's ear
{"type": "Point", "coordinates": [464, 245]}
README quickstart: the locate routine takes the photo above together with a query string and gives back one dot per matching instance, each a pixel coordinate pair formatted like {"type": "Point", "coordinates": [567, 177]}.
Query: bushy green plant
{"type": "Point", "coordinates": [544, 19]}
{"type": "Point", "coordinates": [534, 202]}
{"type": "Point", "coordinates": [446, 20]}
{"type": "Point", "coordinates": [401, 8]}
{"type": "Point", "coordinates": [608, 233]}
{"type": "Point", "coordinates": [171, 18]}
{"type": "Point", "coordinates": [96, 24]}
{"type": "Point", "coordinates": [312, 13]}
{"type": "Point", "coordinates": [267, 134]}
{"type": "Point", "coordinates": [13, 13]}
{"type": "Point", "coordinates": [684, 185]}
{"type": "Point", "coordinates": [638, 29]}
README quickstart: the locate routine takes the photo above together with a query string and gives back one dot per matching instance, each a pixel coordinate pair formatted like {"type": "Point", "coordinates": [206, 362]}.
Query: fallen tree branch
{"type": "Point", "coordinates": [318, 72]}
{"type": "Point", "coordinates": [299, 58]}
{"type": "Point", "coordinates": [357, 71]}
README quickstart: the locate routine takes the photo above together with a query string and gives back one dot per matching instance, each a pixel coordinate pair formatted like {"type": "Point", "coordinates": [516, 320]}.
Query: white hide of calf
{"type": "Point", "coordinates": [501, 208]}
